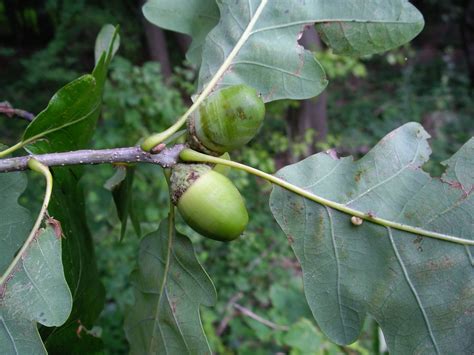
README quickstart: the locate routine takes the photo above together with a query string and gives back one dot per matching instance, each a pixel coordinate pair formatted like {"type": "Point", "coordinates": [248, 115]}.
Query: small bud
{"type": "Point", "coordinates": [158, 149]}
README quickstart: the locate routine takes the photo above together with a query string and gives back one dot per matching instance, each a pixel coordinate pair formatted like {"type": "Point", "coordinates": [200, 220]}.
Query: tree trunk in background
{"type": "Point", "coordinates": [312, 113]}
{"type": "Point", "coordinates": [157, 47]}
{"type": "Point", "coordinates": [183, 42]}
{"type": "Point", "coordinates": [468, 35]}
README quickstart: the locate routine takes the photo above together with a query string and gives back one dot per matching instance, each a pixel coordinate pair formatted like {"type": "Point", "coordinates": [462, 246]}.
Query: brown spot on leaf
{"type": "Point", "coordinates": [357, 177]}
{"type": "Point", "coordinates": [37, 234]}
{"type": "Point", "coordinates": [58, 231]}
{"type": "Point", "coordinates": [443, 263]}
{"type": "Point", "coordinates": [418, 240]}
{"type": "Point", "coordinates": [371, 214]}
{"type": "Point", "coordinates": [173, 306]}
{"type": "Point", "coordinates": [455, 184]}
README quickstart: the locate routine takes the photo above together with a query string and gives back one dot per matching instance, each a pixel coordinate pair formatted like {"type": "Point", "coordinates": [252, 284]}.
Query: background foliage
{"type": "Point", "coordinates": [43, 46]}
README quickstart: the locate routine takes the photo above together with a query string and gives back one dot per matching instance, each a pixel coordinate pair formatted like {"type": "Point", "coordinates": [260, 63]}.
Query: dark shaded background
{"type": "Point", "coordinates": [45, 44]}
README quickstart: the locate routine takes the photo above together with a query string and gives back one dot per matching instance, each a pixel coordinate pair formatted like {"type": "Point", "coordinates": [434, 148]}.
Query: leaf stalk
{"type": "Point", "coordinates": [158, 138]}
{"type": "Point", "coordinates": [189, 155]}
{"type": "Point", "coordinates": [36, 166]}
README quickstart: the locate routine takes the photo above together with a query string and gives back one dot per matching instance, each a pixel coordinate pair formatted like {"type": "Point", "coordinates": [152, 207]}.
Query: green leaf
{"type": "Point", "coordinates": [372, 27]}
{"type": "Point", "coordinates": [193, 18]}
{"type": "Point", "coordinates": [73, 116]}
{"type": "Point", "coordinates": [69, 334]}
{"type": "Point", "coordinates": [68, 206]}
{"type": "Point", "coordinates": [105, 42]}
{"type": "Point", "coordinates": [287, 300]}
{"type": "Point", "coordinates": [304, 337]}
{"type": "Point", "coordinates": [420, 290]}
{"type": "Point", "coordinates": [170, 285]}
{"type": "Point", "coordinates": [70, 105]}
{"type": "Point", "coordinates": [255, 41]}
{"type": "Point", "coordinates": [106, 39]}
{"type": "Point", "coordinates": [15, 221]}
{"type": "Point", "coordinates": [121, 184]}
{"type": "Point", "coordinates": [37, 292]}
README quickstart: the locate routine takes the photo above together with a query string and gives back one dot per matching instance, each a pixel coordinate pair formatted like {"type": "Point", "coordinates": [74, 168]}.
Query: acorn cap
{"type": "Point", "coordinates": [183, 176]}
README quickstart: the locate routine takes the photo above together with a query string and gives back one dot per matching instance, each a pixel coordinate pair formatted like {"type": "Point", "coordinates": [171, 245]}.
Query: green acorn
{"type": "Point", "coordinates": [226, 120]}
{"type": "Point", "coordinates": [208, 202]}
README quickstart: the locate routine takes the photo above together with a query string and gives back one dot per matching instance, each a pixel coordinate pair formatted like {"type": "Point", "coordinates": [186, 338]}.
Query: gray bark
{"type": "Point", "coordinates": [166, 158]}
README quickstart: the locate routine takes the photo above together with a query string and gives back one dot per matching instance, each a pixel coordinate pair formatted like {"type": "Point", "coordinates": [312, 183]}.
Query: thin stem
{"type": "Point", "coordinates": [25, 142]}
{"type": "Point", "coordinates": [10, 111]}
{"type": "Point", "coordinates": [166, 158]}
{"type": "Point", "coordinates": [43, 170]}
{"type": "Point", "coordinates": [229, 314]}
{"type": "Point", "coordinates": [11, 149]}
{"type": "Point", "coordinates": [152, 141]}
{"type": "Point", "coordinates": [193, 156]}
{"type": "Point", "coordinates": [156, 139]}
{"type": "Point", "coordinates": [171, 231]}
{"type": "Point", "coordinates": [256, 317]}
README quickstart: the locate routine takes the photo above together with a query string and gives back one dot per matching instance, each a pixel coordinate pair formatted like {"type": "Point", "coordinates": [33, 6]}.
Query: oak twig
{"type": "Point", "coordinates": [230, 314]}
{"type": "Point", "coordinates": [247, 312]}
{"type": "Point", "coordinates": [166, 158]}
{"type": "Point", "coordinates": [9, 111]}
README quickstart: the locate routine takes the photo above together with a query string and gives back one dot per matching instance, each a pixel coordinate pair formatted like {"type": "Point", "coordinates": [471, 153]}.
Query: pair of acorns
{"type": "Point", "coordinates": [206, 199]}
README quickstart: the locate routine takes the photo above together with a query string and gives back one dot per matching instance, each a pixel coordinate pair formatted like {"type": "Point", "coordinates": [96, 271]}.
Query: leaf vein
{"type": "Point", "coordinates": [387, 179]}
{"type": "Point", "coordinates": [2, 321]}
{"type": "Point", "coordinates": [178, 325]}
{"type": "Point", "coordinates": [272, 67]}
{"type": "Point", "coordinates": [413, 289]}
{"type": "Point", "coordinates": [338, 271]}
{"type": "Point", "coordinates": [331, 21]}
{"type": "Point", "coordinates": [188, 272]}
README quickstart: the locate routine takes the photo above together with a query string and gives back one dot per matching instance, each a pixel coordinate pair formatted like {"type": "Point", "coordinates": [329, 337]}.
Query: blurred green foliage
{"type": "Point", "coordinates": [258, 273]}
{"type": "Point", "coordinates": [337, 66]}
{"type": "Point", "coordinates": [136, 102]}
{"type": "Point", "coordinates": [435, 93]}
{"type": "Point", "coordinates": [45, 44]}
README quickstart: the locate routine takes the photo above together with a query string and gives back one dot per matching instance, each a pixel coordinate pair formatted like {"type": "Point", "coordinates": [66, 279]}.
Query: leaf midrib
{"type": "Point", "coordinates": [305, 22]}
